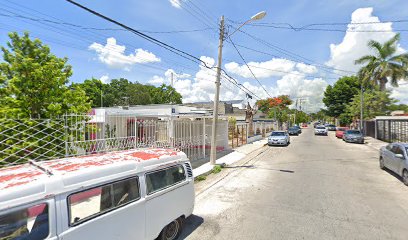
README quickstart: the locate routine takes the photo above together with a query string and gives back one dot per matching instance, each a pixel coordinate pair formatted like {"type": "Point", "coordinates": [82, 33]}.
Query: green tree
{"type": "Point", "coordinates": [384, 64]}
{"type": "Point", "coordinates": [301, 117]}
{"type": "Point", "coordinates": [281, 102]}
{"type": "Point", "coordinates": [164, 94]}
{"type": "Point", "coordinates": [33, 81]}
{"type": "Point", "coordinates": [33, 84]}
{"type": "Point", "coordinates": [337, 97]}
{"type": "Point", "coordinates": [94, 89]}
{"type": "Point", "coordinates": [376, 103]}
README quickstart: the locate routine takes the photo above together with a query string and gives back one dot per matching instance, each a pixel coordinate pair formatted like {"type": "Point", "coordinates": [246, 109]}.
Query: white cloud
{"type": "Point", "coordinates": [201, 87]}
{"type": "Point", "coordinates": [354, 44]}
{"type": "Point", "coordinates": [175, 3]}
{"type": "Point", "coordinates": [105, 79]}
{"type": "Point", "coordinates": [273, 67]}
{"type": "Point", "coordinates": [308, 69]}
{"type": "Point", "coordinates": [400, 92]}
{"type": "Point", "coordinates": [156, 80]}
{"type": "Point", "coordinates": [114, 55]}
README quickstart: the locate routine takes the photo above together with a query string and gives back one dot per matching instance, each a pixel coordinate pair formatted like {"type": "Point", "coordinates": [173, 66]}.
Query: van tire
{"type": "Point", "coordinates": [172, 230]}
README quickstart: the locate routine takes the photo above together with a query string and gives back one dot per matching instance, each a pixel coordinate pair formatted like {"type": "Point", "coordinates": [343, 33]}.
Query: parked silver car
{"type": "Point", "coordinates": [394, 156]}
{"type": "Point", "coordinates": [279, 138]}
{"type": "Point", "coordinates": [353, 136]}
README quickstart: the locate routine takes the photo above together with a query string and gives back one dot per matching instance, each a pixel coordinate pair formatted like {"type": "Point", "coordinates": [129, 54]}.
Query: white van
{"type": "Point", "coordinates": [133, 194]}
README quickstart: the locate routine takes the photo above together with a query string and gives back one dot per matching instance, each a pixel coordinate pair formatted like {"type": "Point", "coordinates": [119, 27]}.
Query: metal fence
{"type": "Point", "coordinates": [391, 130]}
{"type": "Point", "coordinates": [22, 140]}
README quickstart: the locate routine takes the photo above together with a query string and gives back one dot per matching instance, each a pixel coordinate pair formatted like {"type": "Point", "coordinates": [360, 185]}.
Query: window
{"type": "Point", "coordinates": [278, 134]}
{"type": "Point", "coordinates": [27, 223]}
{"type": "Point", "coordinates": [162, 179]}
{"type": "Point", "coordinates": [93, 202]}
{"type": "Point", "coordinates": [397, 150]}
{"type": "Point", "coordinates": [389, 147]}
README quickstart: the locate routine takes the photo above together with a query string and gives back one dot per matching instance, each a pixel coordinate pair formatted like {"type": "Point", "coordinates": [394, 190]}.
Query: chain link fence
{"type": "Point", "coordinates": [22, 140]}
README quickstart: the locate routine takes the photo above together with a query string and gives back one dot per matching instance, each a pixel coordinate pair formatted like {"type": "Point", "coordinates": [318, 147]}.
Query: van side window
{"type": "Point", "coordinates": [26, 223]}
{"type": "Point", "coordinates": [161, 179]}
{"type": "Point", "coordinates": [96, 201]}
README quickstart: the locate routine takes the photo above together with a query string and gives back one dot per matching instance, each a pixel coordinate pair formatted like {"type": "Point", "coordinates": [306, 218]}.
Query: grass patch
{"type": "Point", "coordinates": [200, 178]}
{"type": "Point", "coordinates": [216, 169]}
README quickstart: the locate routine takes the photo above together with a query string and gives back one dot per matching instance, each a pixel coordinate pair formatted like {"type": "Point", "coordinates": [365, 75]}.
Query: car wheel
{"type": "Point", "coordinates": [382, 166]}
{"type": "Point", "coordinates": [405, 177]}
{"type": "Point", "coordinates": [171, 231]}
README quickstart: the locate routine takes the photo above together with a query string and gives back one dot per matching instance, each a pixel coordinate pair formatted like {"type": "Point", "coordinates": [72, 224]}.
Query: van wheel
{"type": "Point", "coordinates": [171, 231]}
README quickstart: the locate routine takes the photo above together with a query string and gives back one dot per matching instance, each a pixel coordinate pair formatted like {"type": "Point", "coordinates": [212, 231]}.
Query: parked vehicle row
{"type": "Point", "coordinates": [282, 138]}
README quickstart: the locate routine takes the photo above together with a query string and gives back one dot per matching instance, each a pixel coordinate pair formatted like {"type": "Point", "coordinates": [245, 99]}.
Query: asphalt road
{"type": "Point", "coordinates": [317, 188]}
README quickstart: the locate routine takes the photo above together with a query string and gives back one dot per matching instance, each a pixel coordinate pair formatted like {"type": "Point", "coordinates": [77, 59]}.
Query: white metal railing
{"type": "Point", "coordinates": [22, 140]}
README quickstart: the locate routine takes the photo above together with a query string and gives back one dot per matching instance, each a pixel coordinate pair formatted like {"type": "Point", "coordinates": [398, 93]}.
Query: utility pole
{"type": "Point", "coordinates": [296, 104]}
{"type": "Point", "coordinates": [361, 108]}
{"type": "Point", "coordinates": [101, 96]}
{"type": "Point", "coordinates": [213, 154]}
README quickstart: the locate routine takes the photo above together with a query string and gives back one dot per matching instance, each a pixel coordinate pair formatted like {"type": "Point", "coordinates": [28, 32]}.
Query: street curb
{"type": "Point", "coordinates": [206, 169]}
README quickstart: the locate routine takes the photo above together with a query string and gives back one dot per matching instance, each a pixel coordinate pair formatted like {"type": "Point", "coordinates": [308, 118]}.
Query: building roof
{"type": "Point", "coordinates": [27, 182]}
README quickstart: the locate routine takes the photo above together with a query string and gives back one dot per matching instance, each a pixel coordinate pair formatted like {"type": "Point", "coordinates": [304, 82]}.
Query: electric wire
{"type": "Point", "coordinates": [243, 59]}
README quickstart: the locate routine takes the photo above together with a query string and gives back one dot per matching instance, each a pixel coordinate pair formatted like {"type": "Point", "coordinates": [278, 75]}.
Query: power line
{"type": "Point", "coordinates": [99, 29]}
{"type": "Point", "coordinates": [291, 54]}
{"type": "Point", "coordinates": [276, 70]}
{"type": "Point", "coordinates": [144, 36]}
{"type": "Point", "coordinates": [242, 57]}
{"type": "Point", "coordinates": [326, 29]}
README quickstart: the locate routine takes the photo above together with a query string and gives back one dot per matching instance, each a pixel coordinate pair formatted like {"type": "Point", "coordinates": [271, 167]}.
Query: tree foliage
{"type": "Point", "coordinates": [384, 65]}
{"type": "Point", "coordinates": [280, 102]}
{"type": "Point", "coordinates": [376, 103]}
{"type": "Point", "coordinates": [337, 97]}
{"type": "Point", "coordinates": [33, 81]}
{"type": "Point", "coordinates": [33, 84]}
{"type": "Point", "coordinates": [121, 92]}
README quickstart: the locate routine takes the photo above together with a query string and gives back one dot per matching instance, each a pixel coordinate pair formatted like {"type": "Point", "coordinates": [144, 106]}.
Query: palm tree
{"type": "Point", "coordinates": [384, 65]}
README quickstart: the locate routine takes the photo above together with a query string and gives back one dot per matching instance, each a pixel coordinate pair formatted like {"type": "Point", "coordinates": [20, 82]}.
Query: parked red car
{"type": "Point", "coordinates": [304, 125]}
{"type": "Point", "coordinates": [340, 131]}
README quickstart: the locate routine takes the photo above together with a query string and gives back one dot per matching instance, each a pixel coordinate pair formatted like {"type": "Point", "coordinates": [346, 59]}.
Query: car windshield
{"type": "Point", "coordinates": [293, 128]}
{"type": "Point", "coordinates": [341, 129]}
{"type": "Point", "coordinates": [320, 127]}
{"type": "Point", "coordinates": [277, 134]}
{"type": "Point", "coordinates": [353, 132]}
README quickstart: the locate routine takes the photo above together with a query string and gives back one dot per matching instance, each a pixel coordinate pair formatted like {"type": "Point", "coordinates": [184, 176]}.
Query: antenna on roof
{"type": "Point", "coordinates": [37, 165]}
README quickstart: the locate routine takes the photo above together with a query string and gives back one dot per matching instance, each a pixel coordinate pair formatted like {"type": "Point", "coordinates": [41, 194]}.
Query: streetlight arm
{"type": "Point", "coordinates": [256, 17]}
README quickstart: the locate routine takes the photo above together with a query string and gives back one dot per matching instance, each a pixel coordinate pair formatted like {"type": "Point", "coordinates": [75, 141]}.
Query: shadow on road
{"type": "Point", "coordinates": [190, 225]}
{"type": "Point", "coordinates": [393, 174]}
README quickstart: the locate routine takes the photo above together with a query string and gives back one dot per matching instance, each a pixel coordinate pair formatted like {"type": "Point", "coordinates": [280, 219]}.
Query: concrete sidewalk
{"type": "Point", "coordinates": [237, 154]}
{"type": "Point", "coordinates": [374, 143]}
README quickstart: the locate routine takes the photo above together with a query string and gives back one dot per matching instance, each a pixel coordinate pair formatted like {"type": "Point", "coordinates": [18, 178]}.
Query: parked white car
{"type": "Point", "coordinates": [134, 194]}
{"type": "Point", "coordinates": [394, 156]}
{"type": "Point", "coordinates": [279, 138]}
{"type": "Point", "coordinates": [320, 130]}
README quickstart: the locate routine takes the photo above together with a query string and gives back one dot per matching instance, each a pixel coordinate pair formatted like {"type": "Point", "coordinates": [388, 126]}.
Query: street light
{"type": "Point", "coordinates": [256, 17]}
{"type": "Point", "coordinates": [213, 153]}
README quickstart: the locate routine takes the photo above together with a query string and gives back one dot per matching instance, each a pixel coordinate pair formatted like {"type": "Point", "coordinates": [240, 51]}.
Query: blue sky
{"type": "Point", "coordinates": [90, 57]}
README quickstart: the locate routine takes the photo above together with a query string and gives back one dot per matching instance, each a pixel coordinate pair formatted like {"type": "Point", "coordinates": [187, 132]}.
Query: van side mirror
{"type": "Point", "coordinates": [399, 156]}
